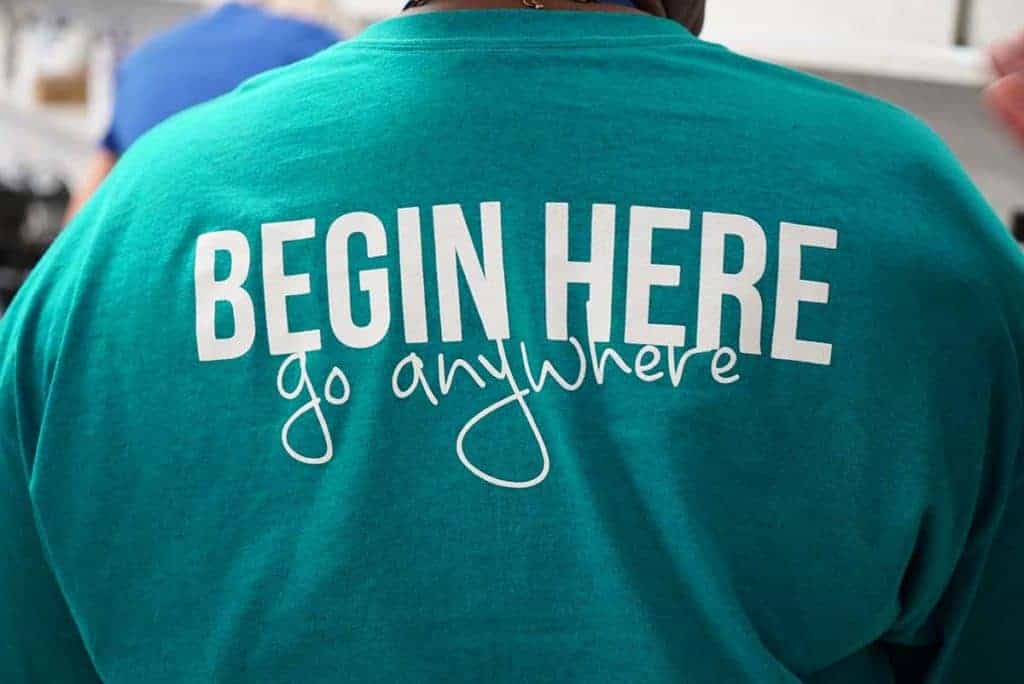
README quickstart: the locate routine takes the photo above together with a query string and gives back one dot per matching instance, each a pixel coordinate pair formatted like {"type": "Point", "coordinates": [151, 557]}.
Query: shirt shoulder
{"type": "Point", "coordinates": [816, 107]}
{"type": "Point", "coordinates": [880, 163]}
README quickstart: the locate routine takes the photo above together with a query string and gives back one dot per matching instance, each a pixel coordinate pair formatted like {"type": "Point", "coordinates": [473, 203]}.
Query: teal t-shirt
{"type": "Point", "coordinates": [519, 347]}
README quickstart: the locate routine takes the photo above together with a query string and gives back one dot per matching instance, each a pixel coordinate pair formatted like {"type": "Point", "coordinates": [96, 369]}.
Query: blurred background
{"type": "Point", "coordinates": [58, 61]}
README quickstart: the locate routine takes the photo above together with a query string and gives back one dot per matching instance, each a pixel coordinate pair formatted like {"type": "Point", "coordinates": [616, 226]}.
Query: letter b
{"type": "Point", "coordinates": [209, 291]}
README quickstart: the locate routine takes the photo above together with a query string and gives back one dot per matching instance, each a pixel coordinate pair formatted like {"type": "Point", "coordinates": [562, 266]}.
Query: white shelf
{"type": "Point", "coordinates": [959, 66]}
{"type": "Point", "coordinates": [67, 125]}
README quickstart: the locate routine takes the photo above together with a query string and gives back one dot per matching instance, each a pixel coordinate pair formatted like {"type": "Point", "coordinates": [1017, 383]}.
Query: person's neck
{"type": "Point", "coordinates": [571, 5]}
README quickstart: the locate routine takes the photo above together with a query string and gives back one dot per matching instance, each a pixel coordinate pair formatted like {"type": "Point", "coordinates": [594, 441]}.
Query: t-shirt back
{"type": "Point", "coordinates": [516, 346]}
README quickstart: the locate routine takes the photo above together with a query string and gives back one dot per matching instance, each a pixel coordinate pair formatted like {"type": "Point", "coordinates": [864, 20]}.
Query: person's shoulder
{"type": "Point", "coordinates": [882, 171]}
{"type": "Point", "coordinates": [864, 139]}
{"type": "Point", "coordinates": [815, 105]}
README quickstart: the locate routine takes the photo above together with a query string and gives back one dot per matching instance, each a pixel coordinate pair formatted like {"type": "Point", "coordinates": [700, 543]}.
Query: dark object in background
{"type": "Point", "coordinates": [31, 216]}
{"type": "Point", "coordinates": [1017, 225]}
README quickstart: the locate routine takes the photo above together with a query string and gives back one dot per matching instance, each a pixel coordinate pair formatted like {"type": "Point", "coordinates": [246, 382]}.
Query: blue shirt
{"type": "Point", "coordinates": [202, 59]}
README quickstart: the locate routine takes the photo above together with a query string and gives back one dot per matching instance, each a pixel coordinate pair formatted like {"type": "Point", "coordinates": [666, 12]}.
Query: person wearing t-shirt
{"type": "Point", "coordinates": [535, 342]}
{"type": "Point", "coordinates": [196, 61]}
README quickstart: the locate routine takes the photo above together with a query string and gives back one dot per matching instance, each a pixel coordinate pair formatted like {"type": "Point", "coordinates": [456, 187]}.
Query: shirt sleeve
{"type": "Point", "coordinates": [992, 639]}
{"type": "Point", "coordinates": [963, 592]}
{"type": "Point", "coordinates": [974, 631]}
{"type": "Point", "coordinates": [111, 141]}
{"type": "Point", "coordinates": [39, 640]}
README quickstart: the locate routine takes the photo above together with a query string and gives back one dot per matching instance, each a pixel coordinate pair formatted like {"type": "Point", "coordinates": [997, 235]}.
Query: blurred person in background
{"type": "Point", "coordinates": [528, 342]}
{"type": "Point", "coordinates": [199, 60]}
{"type": "Point", "coordinates": [1006, 96]}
